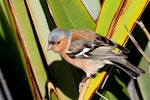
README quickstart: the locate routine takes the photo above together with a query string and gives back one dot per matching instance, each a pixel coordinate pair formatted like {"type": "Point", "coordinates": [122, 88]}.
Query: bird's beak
{"type": "Point", "coordinates": [49, 47]}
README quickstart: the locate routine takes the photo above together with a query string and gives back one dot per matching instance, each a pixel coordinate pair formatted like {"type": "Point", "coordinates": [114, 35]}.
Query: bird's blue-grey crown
{"type": "Point", "coordinates": [57, 33]}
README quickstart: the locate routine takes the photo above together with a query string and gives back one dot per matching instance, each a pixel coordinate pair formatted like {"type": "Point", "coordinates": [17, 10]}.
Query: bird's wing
{"type": "Point", "coordinates": [78, 48]}
{"type": "Point", "coordinates": [105, 48]}
{"type": "Point", "coordinates": [85, 50]}
{"type": "Point", "coordinates": [103, 41]}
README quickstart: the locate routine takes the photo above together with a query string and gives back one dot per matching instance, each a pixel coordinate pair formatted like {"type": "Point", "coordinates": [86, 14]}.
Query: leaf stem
{"type": "Point", "coordinates": [140, 23]}
{"type": "Point", "coordinates": [137, 45]}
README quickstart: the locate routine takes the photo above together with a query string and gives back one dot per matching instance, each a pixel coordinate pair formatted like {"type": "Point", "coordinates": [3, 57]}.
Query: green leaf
{"type": "Point", "coordinates": [70, 14]}
{"type": "Point", "coordinates": [93, 8]}
{"type": "Point", "coordinates": [108, 14]}
{"type": "Point", "coordinates": [130, 13]}
{"type": "Point", "coordinates": [12, 63]}
{"type": "Point", "coordinates": [143, 80]}
{"type": "Point", "coordinates": [34, 64]}
{"type": "Point", "coordinates": [115, 88]}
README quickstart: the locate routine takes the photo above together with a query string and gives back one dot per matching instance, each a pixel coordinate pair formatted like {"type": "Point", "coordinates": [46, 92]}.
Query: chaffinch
{"type": "Point", "coordinates": [90, 51]}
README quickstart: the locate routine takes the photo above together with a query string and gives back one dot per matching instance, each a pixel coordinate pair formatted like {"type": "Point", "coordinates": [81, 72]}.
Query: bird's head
{"type": "Point", "coordinates": [58, 40]}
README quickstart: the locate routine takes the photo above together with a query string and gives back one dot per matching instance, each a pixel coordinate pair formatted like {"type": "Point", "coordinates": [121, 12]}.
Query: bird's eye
{"type": "Point", "coordinates": [58, 42]}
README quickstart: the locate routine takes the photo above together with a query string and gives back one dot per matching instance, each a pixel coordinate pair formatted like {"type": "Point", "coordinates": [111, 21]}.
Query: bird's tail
{"type": "Point", "coordinates": [127, 67]}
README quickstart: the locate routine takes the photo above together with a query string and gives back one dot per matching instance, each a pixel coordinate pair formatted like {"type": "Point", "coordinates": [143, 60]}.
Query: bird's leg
{"type": "Point", "coordinates": [83, 82]}
{"type": "Point", "coordinates": [85, 77]}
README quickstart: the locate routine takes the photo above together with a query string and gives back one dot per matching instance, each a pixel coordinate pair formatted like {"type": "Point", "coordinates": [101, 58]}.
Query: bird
{"type": "Point", "coordinates": [90, 51]}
